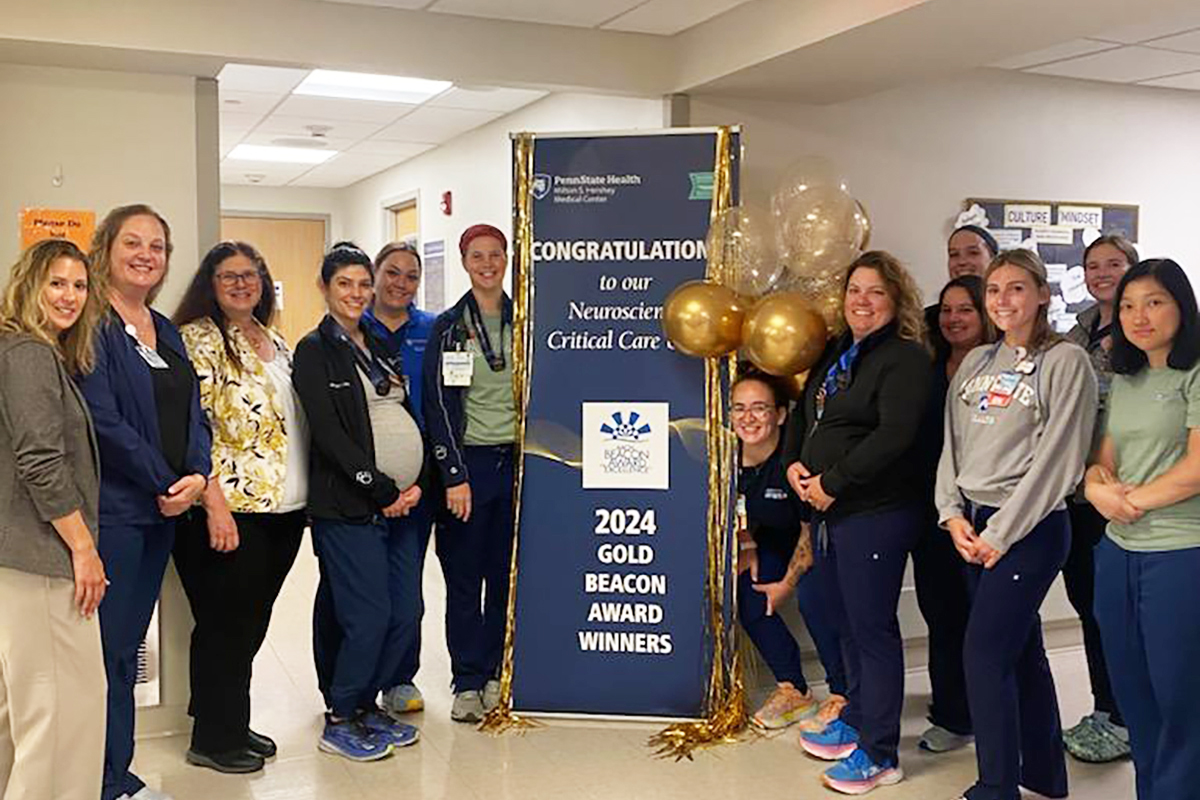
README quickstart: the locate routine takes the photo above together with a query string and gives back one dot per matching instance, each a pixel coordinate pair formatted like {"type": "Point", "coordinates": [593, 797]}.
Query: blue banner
{"type": "Point", "coordinates": [610, 606]}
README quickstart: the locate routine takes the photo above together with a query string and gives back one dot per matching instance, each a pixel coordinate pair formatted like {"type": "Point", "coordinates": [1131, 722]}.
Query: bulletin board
{"type": "Point", "coordinates": [1059, 231]}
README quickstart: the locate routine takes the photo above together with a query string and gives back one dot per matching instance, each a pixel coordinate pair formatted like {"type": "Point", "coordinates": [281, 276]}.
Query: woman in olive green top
{"type": "Point", "coordinates": [52, 687]}
{"type": "Point", "coordinates": [1146, 482]}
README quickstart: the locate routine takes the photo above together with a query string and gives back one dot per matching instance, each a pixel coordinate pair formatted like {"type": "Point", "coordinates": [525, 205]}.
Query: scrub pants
{"type": "Point", "coordinates": [1079, 576]}
{"type": "Point", "coordinates": [868, 552]}
{"type": "Point", "coordinates": [771, 636]}
{"type": "Point", "coordinates": [475, 558]}
{"type": "Point", "coordinates": [135, 560]}
{"type": "Point", "coordinates": [1150, 624]}
{"type": "Point", "coordinates": [1018, 736]}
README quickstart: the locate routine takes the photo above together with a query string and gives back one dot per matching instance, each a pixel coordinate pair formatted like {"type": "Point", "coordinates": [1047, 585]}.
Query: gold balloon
{"type": "Point", "coordinates": [783, 335]}
{"type": "Point", "coordinates": [741, 249]}
{"type": "Point", "coordinates": [703, 318]}
{"type": "Point", "coordinates": [863, 224]}
{"type": "Point", "coordinates": [825, 295]}
{"type": "Point", "coordinates": [795, 384]}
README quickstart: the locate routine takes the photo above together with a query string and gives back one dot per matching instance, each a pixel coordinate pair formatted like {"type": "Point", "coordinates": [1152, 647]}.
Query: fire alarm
{"type": "Point", "coordinates": [447, 204]}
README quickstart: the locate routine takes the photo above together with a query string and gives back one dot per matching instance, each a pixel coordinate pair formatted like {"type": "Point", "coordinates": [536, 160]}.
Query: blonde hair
{"type": "Point", "coordinates": [21, 309]}
{"type": "Point", "coordinates": [901, 288]}
{"type": "Point", "coordinates": [1044, 336]}
{"type": "Point", "coordinates": [106, 235]}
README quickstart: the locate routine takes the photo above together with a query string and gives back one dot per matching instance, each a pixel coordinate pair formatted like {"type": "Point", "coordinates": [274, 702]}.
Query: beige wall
{"type": "Point", "coordinates": [119, 138]}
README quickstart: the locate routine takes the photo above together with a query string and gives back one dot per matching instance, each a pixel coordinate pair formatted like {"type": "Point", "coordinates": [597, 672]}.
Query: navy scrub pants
{"type": "Point", "coordinates": [1150, 624]}
{"type": "Point", "coordinates": [945, 604]}
{"type": "Point", "coordinates": [1079, 576]}
{"type": "Point", "coordinates": [409, 542]}
{"type": "Point", "coordinates": [360, 633]}
{"type": "Point", "coordinates": [771, 636]}
{"type": "Point", "coordinates": [475, 559]}
{"type": "Point", "coordinates": [868, 553]}
{"type": "Point", "coordinates": [135, 559]}
{"type": "Point", "coordinates": [1018, 735]}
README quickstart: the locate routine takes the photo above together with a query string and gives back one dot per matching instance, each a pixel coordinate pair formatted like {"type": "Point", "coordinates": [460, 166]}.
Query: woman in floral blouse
{"type": "Point", "coordinates": [234, 552]}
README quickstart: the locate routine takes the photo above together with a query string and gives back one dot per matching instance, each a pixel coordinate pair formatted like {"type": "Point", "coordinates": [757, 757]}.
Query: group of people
{"type": "Point", "coordinates": [997, 453]}
{"type": "Point", "coordinates": [968, 434]}
{"type": "Point", "coordinates": [128, 436]}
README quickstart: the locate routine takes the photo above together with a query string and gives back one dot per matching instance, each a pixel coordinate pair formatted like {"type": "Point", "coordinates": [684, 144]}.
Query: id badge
{"type": "Point", "coordinates": [1001, 392]}
{"type": "Point", "coordinates": [457, 368]}
{"type": "Point", "coordinates": [150, 357]}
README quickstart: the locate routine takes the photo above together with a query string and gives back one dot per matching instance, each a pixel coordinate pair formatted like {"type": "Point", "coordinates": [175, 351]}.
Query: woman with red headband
{"type": "Point", "coordinates": [470, 417]}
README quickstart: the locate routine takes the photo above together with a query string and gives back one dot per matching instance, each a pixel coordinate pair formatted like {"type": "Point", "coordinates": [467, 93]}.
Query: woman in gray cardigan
{"type": "Point", "coordinates": [52, 684]}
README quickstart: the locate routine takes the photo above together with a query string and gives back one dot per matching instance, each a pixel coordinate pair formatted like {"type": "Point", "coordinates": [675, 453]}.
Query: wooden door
{"type": "Point", "coordinates": [293, 249]}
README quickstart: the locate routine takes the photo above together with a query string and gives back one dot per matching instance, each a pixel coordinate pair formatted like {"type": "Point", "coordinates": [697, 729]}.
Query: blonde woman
{"type": "Point", "coordinates": [854, 464]}
{"type": "Point", "coordinates": [51, 576]}
{"type": "Point", "coordinates": [1019, 419]}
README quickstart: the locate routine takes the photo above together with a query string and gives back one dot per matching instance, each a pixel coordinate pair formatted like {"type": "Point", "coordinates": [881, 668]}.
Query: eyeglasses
{"type": "Point", "coordinates": [760, 410]}
{"type": "Point", "coordinates": [229, 279]}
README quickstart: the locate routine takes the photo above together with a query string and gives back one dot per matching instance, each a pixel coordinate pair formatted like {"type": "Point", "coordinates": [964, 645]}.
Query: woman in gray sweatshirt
{"type": "Point", "coordinates": [52, 686]}
{"type": "Point", "coordinates": [1019, 421]}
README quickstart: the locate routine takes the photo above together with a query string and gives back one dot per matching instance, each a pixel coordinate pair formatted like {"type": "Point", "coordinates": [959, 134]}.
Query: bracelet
{"type": "Point", "coordinates": [747, 546]}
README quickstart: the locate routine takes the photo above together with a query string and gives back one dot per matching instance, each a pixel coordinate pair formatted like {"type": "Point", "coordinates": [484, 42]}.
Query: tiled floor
{"type": "Point", "coordinates": [562, 760]}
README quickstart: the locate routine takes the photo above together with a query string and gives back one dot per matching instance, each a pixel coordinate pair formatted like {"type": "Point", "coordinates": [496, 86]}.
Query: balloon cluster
{"type": "Point", "coordinates": [781, 272]}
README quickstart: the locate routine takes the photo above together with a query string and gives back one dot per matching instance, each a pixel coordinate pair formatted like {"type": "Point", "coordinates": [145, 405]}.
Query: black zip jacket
{"type": "Point", "coordinates": [863, 445]}
{"type": "Point", "coordinates": [344, 483]}
{"type": "Point", "coordinates": [444, 406]}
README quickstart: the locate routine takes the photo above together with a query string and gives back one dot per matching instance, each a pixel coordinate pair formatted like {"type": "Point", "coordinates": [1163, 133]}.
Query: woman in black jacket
{"type": "Point", "coordinates": [857, 422]}
{"type": "Point", "coordinates": [366, 458]}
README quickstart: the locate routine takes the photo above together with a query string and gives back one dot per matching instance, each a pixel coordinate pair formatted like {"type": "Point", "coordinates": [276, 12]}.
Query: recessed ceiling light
{"type": "Point", "coordinates": [364, 86]}
{"type": "Point", "coordinates": [282, 155]}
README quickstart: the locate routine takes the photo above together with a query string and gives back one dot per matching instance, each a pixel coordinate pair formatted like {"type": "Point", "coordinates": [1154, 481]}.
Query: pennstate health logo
{"type": "Point", "coordinates": [626, 445]}
{"type": "Point", "coordinates": [541, 185]}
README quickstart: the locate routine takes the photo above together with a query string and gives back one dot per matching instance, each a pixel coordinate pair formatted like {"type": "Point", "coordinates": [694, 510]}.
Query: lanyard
{"type": "Point", "coordinates": [379, 372]}
{"type": "Point", "coordinates": [494, 359]}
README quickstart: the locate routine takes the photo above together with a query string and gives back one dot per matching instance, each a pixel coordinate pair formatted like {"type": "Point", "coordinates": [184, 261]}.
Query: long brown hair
{"type": "Point", "coordinates": [106, 235]}
{"type": "Point", "coordinates": [901, 288]}
{"type": "Point", "coordinates": [200, 299]}
{"type": "Point", "coordinates": [1044, 336]}
{"type": "Point", "coordinates": [21, 309]}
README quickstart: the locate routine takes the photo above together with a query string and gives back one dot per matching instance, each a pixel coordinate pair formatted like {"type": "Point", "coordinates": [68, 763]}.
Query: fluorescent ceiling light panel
{"type": "Point", "coordinates": [282, 155]}
{"type": "Point", "coordinates": [364, 86]}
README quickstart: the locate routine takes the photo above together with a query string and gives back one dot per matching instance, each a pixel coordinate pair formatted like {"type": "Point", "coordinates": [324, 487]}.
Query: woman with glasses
{"type": "Point", "coordinates": [234, 552]}
{"type": "Point", "coordinates": [774, 560]}
{"type": "Point", "coordinates": [365, 463]}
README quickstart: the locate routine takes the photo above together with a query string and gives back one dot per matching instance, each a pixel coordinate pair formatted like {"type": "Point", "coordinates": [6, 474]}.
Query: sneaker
{"type": "Point", "coordinates": [468, 706]}
{"type": "Point", "coordinates": [937, 739]}
{"type": "Point", "coordinates": [785, 706]}
{"type": "Point", "coordinates": [398, 733]}
{"type": "Point", "coordinates": [836, 742]}
{"type": "Point", "coordinates": [351, 739]}
{"type": "Point", "coordinates": [858, 774]}
{"type": "Point", "coordinates": [830, 710]}
{"type": "Point", "coordinates": [491, 695]}
{"type": "Point", "coordinates": [403, 699]}
{"type": "Point", "coordinates": [1096, 740]}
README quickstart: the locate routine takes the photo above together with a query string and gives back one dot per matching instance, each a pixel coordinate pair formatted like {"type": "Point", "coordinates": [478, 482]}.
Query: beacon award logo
{"type": "Point", "coordinates": [626, 445]}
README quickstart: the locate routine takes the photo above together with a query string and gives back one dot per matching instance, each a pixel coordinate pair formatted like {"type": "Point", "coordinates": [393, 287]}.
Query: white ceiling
{"type": "Point", "coordinates": [661, 17]}
{"type": "Point", "coordinates": [257, 107]}
{"type": "Point", "coordinates": [1164, 52]}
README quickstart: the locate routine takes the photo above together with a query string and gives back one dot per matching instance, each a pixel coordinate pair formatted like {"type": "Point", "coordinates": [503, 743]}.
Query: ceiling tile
{"type": "Point", "coordinates": [486, 98]}
{"type": "Point", "coordinates": [1154, 27]}
{"type": "Point", "coordinates": [583, 13]}
{"type": "Point", "coordinates": [345, 170]}
{"type": "Point", "coordinates": [270, 173]}
{"type": "Point", "coordinates": [435, 125]}
{"type": "Point", "coordinates": [1189, 81]}
{"type": "Point", "coordinates": [1059, 52]}
{"type": "Point", "coordinates": [1184, 42]}
{"type": "Point", "coordinates": [237, 122]}
{"type": "Point", "coordinates": [252, 78]}
{"type": "Point", "coordinates": [378, 147]}
{"type": "Point", "coordinates": [668, 17]}
{"type": "Point", "coordinates": [1124, 65]}
{"type": "Point", "coordinates": [298, 126]}
{"type": "Point", "coordinates": [340, 108]}
{"type": "Point", "coordinates": [411, 5]}
{"type": "Point", "coordinates": [248, 102]}
{"type": "Point", "coordinates": [338, 143]}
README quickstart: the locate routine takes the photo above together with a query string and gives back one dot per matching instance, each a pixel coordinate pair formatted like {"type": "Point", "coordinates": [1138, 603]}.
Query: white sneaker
{"type": "Point", "coordinates": [468, 706]}
{"type": "Point", "coordinates": [146, 793]}
{"type": "Point", "coordinates": [403, 699]}
{"type": "Point", "coordinates": [491, 695]}
{"type": "Point", "coordinates": [937, 739]}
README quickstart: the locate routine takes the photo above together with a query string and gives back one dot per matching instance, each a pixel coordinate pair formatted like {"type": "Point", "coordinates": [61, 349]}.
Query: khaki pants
{"type": "Point", "coordinates": [52, 692]}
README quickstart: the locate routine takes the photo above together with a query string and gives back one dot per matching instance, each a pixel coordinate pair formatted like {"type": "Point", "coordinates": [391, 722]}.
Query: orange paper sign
{"type": "Point", "coordinates": [53, 223]}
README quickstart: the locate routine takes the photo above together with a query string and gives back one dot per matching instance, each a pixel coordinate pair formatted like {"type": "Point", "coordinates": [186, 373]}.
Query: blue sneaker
{"type": "Point", "coordinates": [858, 774]}
{"type": "Point", "coordinates": [386, 728]}
{"type": "Point", "coordinates": [351, 739]}
{"type": "Point", "coordinates": [837, 741]}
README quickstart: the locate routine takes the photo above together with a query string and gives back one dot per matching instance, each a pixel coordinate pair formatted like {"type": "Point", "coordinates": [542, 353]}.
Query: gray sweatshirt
{"type": "Point", "coordinates": [1023, 455]}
